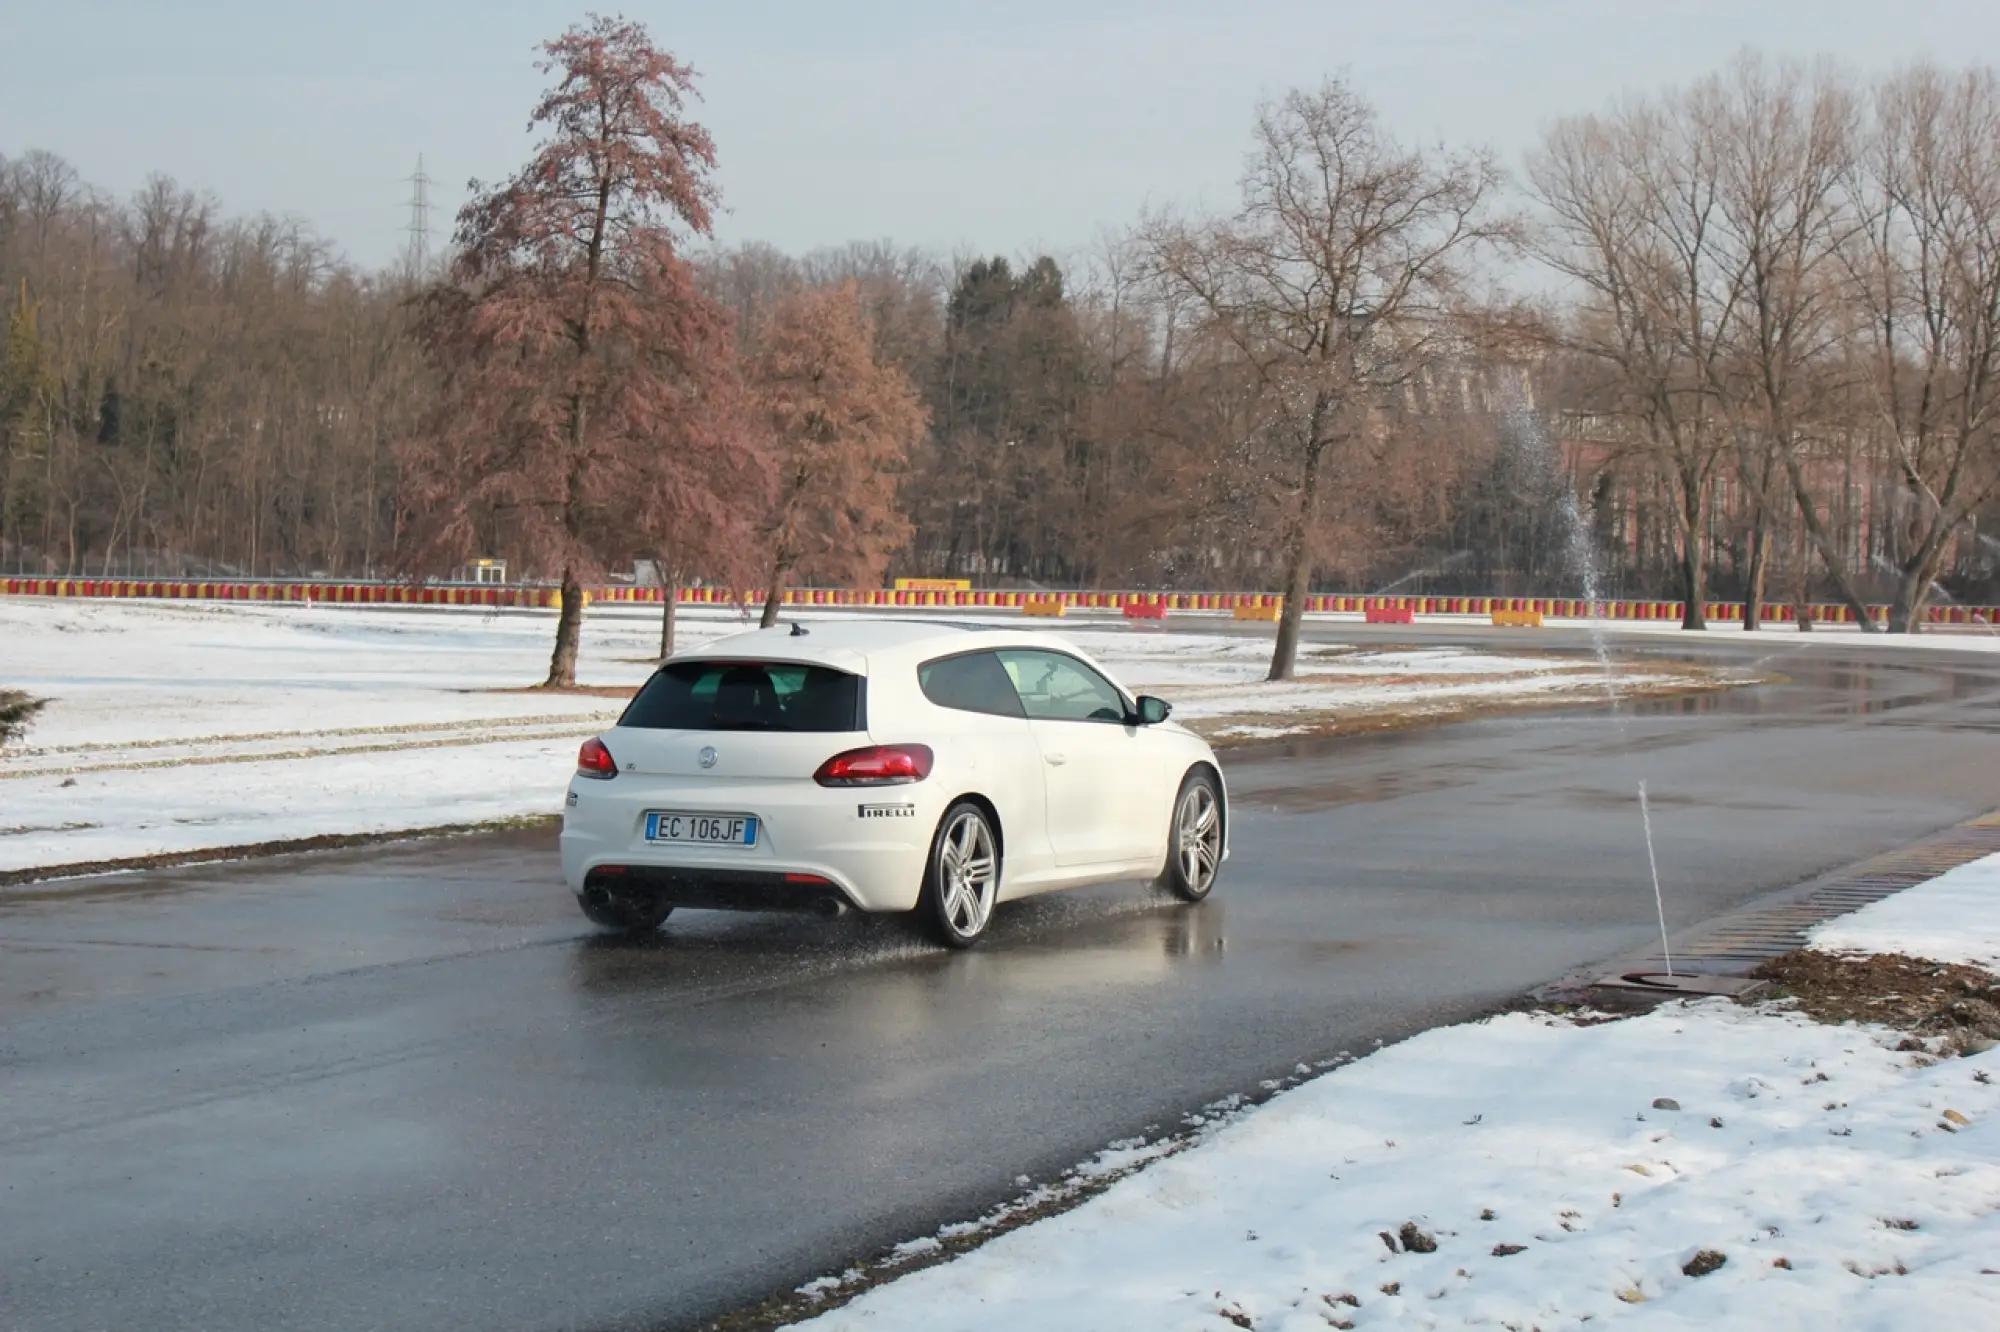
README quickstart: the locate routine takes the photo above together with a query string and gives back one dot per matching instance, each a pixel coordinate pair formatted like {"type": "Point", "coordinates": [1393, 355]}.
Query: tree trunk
{"type": "Point", "coordinates": [1753, 586]}
{"type": "Point", "coordinates": [1913, 596]}
{"type": "Point", "coordinates": [1906, 611]}
{"type": "Point", "coordinates": [569, 620]}
{"type": "Point", "coordinates": [1843, 586]}
{"type": "Point", "coordinates": [773, 599]}
{"type": "Point", "coordinates": [1298, 576]}
{"type": "Point", "coordinates": [1802, 613]}
{"type": "Point", "coordinates": [670, 593]}
{"type": "Point", "coordinates": [569, 633]}
{"type": "Point", "coordinates": [1759, 488]}
{"type": "Point", "coordinates": [1919, 577]}
{"type": "Point", "coordinates": [1694, 557]}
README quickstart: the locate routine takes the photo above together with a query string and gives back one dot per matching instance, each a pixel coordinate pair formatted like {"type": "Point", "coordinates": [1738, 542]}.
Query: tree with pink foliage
{"type": "Point", "coordinates": [839, 425]}
{"type": "Point", "coordinates": [590, 408]}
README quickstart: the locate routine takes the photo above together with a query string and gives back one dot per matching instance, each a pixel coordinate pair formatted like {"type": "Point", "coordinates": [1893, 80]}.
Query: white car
{"type": "Point", "coordinates": [887, 766]}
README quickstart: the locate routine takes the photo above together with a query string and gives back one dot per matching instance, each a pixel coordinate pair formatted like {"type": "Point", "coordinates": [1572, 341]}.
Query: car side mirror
{"type": "Point", "coordinates": [1153, 711]}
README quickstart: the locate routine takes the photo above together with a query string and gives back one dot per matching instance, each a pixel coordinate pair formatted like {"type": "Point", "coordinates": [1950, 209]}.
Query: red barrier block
{"type": "Point", "coordinates": [1389, 615]}
{"type": "Point", "coordinates": [1145, 610]}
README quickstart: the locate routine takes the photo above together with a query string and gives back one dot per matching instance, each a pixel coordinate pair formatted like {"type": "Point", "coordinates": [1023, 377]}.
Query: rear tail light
{"type": "Point", "coordinates": [594, 760]}
{"type": "Point", "coordinates": [878, 765]}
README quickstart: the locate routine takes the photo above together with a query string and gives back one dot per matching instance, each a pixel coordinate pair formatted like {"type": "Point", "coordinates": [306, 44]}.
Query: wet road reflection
{"type": "Point", "coordinates": [1113, 936]}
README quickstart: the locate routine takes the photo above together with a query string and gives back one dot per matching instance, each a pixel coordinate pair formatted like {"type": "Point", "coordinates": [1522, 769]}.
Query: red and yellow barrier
{"type": "Point", "coordinates": [1253, 606]}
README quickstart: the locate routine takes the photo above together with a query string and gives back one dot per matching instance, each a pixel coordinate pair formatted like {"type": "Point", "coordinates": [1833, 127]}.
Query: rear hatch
{"type": "Point", "coordinates": [726, 721]}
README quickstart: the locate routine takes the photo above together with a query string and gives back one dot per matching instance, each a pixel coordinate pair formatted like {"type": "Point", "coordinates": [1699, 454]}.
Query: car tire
{"type": "Point", "coordinates": [1194, 837]}
{"type": "Point", "coordinates": [623, 914]}
{"type": "Point", "coordinates": [962, 876]}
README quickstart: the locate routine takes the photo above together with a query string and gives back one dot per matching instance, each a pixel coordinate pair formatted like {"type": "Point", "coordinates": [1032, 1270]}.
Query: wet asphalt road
{"type": "Point", "coordinates": [409, 1087]}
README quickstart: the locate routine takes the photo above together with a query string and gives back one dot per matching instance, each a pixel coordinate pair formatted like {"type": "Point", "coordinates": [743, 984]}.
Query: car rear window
{"type": "Point", "coordinates": [747, 696]}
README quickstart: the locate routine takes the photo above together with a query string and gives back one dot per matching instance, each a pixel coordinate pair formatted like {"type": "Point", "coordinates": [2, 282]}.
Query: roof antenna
{"type": "Point", "coordinates": [798, 630]}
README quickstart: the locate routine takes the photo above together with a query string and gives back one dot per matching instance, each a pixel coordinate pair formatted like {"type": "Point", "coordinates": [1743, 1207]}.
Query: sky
{"type": "Point", "coordinates": [955, 125]}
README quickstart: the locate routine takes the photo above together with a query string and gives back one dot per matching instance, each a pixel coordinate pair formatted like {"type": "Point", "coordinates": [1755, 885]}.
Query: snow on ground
{"type": "Point", "coordinates": [178, 727]}
{"type": "Point", "coordinates": [183, 726]}
{"type": "Point", "coordinates": [1844, 1183]}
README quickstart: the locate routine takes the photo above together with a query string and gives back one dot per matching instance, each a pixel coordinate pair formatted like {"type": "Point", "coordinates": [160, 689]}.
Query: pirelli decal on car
{"type": "Point", "coordinates": [902, 811]}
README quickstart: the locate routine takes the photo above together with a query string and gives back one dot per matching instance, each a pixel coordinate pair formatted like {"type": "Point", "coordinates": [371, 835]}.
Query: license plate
{"type": "Point", "coordinates": [705, 829]}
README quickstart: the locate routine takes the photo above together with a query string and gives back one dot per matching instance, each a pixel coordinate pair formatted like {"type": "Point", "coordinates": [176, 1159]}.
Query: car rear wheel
{"type": "Point", "coordinates": [1194, 848]}
{"type": "Point", "coordinates": [624, 914]}
{"type": "Point", "coordinates": [962, 880]}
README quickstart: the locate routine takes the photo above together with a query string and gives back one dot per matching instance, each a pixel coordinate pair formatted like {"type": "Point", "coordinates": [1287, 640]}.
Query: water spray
{"type": "Point", "coordinates": [1583, 556]}
{"type": "Point", "coordinates": [1653, 864]}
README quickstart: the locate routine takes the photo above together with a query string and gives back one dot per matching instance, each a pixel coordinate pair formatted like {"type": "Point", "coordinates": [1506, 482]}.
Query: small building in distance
{"type": "Point", "coordinates": [482, 571]}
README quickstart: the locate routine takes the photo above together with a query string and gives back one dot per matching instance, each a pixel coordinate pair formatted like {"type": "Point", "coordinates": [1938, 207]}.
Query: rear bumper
{"type": "Point", "coordinates": [717, 890]}
{"type": "Point", "coordinates": [805, 833]}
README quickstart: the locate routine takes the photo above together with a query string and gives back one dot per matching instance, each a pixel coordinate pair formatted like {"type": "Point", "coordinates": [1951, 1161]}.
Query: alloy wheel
{"type": "Point", "coordinates": [1198, 837]}
{"type": "Point", "coordinates": [968, 874]}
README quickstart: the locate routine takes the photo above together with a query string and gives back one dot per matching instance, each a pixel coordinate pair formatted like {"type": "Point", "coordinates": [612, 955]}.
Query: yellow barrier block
{"type": "Point", "coordinates": [1269, 614]}
{"type": "Point", "coordinates": [1513, 619]}
{"type": "Point", "coordinates": [1044, 607]}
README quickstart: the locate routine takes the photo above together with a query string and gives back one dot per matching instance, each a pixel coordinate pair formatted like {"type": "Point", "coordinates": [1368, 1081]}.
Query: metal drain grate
{"type": "Point", "coordinates": [1734, 943]}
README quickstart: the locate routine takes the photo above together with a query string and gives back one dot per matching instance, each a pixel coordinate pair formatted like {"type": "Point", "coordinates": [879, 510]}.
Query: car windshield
{"type": "Point", "coordinates": [746, 696]}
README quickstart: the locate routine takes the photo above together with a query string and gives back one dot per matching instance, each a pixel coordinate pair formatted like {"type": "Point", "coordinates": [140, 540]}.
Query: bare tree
{"type": "Point", "coordinates": [1633, 215]}
{"type": "Point", "coordinates": [1332, 280]}
{"type": "Point", "coordinates": [1786, 140]}
{"type": "Point", "coordinates": [1930, 270]}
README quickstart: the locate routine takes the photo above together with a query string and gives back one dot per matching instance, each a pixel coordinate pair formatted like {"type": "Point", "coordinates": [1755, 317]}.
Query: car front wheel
{"type": "Point", "coordinates": [962, 880]}
{"type": "Point", "coordinates": [1194, 846]}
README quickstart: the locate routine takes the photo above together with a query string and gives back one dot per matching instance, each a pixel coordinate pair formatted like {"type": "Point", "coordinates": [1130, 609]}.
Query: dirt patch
{"type": "Point", "coordinates": [1708, 1260]}
{"type": "Point", "coordinates": [1950, 1008]}
{"type": "Point", "coordinates": [491, 731]}
{"type": "Point", "coordinates": [584, 691]}
{"type": "Point", "coordinates": [283, 847]}
{"type": "Point", "coordinates": [28, 829]}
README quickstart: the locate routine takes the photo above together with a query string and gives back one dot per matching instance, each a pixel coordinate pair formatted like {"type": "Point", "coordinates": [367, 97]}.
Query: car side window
{"type": "Point", "coordinates": [1056, 687]}
{"type": "Point", "coordinates": [970, 682]}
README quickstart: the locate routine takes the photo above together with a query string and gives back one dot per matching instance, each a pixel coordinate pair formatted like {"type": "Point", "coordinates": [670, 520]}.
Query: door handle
{"type": "Point", "coordinates": [1056, 760]}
